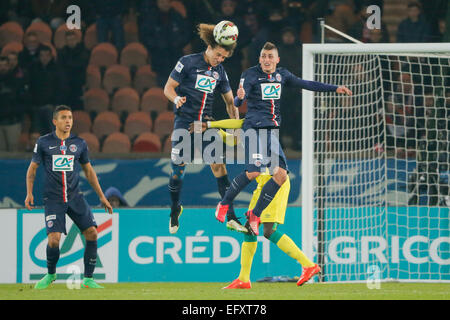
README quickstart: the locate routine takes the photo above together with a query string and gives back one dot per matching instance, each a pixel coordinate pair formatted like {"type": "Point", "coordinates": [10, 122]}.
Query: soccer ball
{"type": "Point", "coordinates": [226, 33]}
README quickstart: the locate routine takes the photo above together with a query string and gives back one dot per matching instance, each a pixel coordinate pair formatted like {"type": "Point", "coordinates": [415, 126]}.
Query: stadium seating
{"type": "Point", "coordinates": [125, 99]}
{"type": "Point", "coordinates": [116, 142]}
{"type": "Point", "coordinates": [137, 123]}
{"type": "Point", "coordinates": [163, 125]}
{"type": "Point", "coordinates": [154, 100]}
{"type": "Point", "coordinates": [131, 30]}
{"type": "Point", "coordinates": [104, 55]}
{"type": "Point", "coordinates": [96, 100]}
{"type": "Point", "coordinates": [93, 77]}
{"type": "Point", "coordinates": [116, 77]}
{"type": "Point", "coordinates": [12, 47]}
{"type": "Point", "coordinates": [134, 54]}
{"type": "Point", "coordinates": [91, 140]}
{"type": "Point", "coordinates": [90, 37]}
{"type": "Point", "coordinates": [59, 39]}
{"type": "Point", "coordinates": [24, 140]}
{"type": "Point", "coordinates": [105, 123]}
{"type": "Point", "coordinates": [147, 142]}
{"type": "Point", "coordinates": [10, 32]}
{"type": "Point", "coordinates": [43, 31]}
{"type": "Point", "coordinates": [81, 122]}
{"type": "Point", "coordinates": [144, 79]}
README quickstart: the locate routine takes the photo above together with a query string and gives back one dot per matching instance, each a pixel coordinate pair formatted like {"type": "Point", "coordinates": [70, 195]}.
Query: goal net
{"type": "Point", "coordinates": [375, 165]}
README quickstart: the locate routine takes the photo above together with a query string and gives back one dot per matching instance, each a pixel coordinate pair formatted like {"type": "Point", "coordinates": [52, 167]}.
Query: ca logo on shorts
{"type": "Point", "coordinates": [62, 162]}
{"type": "Point", "coordinates": [205, 83]}
{"type": "Point", "coordinates": [271, 91]}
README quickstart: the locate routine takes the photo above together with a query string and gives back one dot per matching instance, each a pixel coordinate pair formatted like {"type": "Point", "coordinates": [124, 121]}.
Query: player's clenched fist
{"type": "Point", "coordinates": [179, 101]}
{"type": "Point", "coordinates": [344, 90]}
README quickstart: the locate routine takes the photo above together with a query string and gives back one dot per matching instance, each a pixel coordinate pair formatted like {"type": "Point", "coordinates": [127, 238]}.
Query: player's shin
{"type": "Point", "coordinates": [175, 184]}
{"type": "Point", "coordinates": [248, 250]}
{"type": "Point", "coordinates": [268, 192]}
{"type": "Point", "coordinates": [90, 258]}
{"type": "Point", "coordinates": [237, 185]}
{"type": "Point", "coordinates": [52, 258]}
{"type": "Point", "coordinates": [285, 243]}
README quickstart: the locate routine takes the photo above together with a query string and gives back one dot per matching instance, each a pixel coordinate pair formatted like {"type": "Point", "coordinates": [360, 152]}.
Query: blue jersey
{"type": "Point", "coordinates": [61, 159]}
{"type": "Point", "coordinates": [263, 93]}
{"type": "Point", "coordinates": [197, 82]}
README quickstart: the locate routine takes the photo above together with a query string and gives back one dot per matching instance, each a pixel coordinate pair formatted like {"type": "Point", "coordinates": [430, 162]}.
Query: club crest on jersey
{"type": "Point", "coordinates": [271, 91]}
{"type": "Point", "coordinates": [205, 83]}
{"type": "Point", "coordinates": [215, 75]}
{"type": "Point", "coordinates": [278, 77]}
{"type": "Point", "coordinates": [73, 148]}
{"type": "Point", "coordinates": [61, 162]}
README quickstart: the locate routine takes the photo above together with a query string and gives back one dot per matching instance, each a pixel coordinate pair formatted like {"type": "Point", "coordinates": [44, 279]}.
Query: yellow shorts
{"type": "Point", "coordinates": [276, 210]}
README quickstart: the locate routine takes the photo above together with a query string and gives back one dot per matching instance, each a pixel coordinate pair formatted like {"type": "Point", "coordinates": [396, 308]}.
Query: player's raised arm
{"type": "Point", "coordinates": [91, 177]}
{"type": "Point", "coordinates": [31, 175]}
{"type": "Point", "coordinates": [316, 86]}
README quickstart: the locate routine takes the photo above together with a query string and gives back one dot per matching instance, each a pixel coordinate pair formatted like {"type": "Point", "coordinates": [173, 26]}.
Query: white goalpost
{"type": "Point", "coordinates": [376, 165]}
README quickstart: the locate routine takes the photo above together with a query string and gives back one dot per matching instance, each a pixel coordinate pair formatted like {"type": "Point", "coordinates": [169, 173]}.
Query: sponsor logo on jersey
{"type": "Point", "coordinates": [61, 162]}
{"type": "Point", "coordinates": [205, 83]}
{"type": "Point", "coordinates": [271, 91]}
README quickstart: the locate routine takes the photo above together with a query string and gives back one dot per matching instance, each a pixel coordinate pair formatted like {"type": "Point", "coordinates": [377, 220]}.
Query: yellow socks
{"type": "Point", "coordinates": [283, 242]}
{"type": "Point", "coordinates": [290, 248]}
{"type": "Point", "coordinates": [248, 250]}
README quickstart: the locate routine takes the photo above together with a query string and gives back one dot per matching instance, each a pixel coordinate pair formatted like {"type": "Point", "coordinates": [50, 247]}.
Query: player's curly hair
{"type": "Point", "coordinates": [206, 33]}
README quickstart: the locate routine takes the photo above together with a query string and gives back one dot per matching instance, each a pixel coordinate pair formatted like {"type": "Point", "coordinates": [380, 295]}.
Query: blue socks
{"type": "Point", "coordinates": [52, 259]}
{"type": "Point", "coordinates": [175, 190]}
{"type": "Point", "coordinates": [223, 184]}
{"type": "Point", "coordinates": [90, 258]}
{"type": "Point", "coordinates": [237, 185]}
{"type": "Point", "coordinates": [175, 184]}
{"type": "Point", "coordinates": [268, 192]}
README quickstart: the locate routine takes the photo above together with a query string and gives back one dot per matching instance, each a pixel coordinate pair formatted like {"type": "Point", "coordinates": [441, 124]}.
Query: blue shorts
{"type": "Point", "coordinates": [263, 150]}
{"type": "Point", "coordinates": [77, 209]}
{"type": "Point", "coordinates": [203, 149]}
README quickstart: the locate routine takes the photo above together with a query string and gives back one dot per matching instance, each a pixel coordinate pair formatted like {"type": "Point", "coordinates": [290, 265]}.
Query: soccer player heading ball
{"type": "Point", "coordinates": [262, 86]}
{"type": "Point", "coordinates": [191, 86]}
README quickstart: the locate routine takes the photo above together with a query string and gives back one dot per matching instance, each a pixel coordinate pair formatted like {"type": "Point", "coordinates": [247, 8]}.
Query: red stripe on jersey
{"type": "Point", "coordinates": [63, 173]}
{"type": "Point", "coordinates": [272, 109]}
{"type": "Point", "coordinates": [202, 107]}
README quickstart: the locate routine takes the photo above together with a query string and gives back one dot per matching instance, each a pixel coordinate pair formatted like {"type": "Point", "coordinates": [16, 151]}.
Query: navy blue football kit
{"type": "Point", "coordinates": [61, 161]}
{"type": "Point", "coordinates": [263, 94]}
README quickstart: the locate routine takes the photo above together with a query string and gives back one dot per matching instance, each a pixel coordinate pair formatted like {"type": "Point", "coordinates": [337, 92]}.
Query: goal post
{"type": "Point", "coordinates": [375, 166]}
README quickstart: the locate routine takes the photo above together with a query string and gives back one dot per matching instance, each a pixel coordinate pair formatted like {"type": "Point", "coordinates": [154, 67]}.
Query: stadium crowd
{"type": "Point", "coordinates": [111, 72]}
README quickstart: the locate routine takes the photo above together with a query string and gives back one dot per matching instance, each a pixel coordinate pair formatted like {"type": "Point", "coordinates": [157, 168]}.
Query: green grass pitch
{"type": "Point", "coordinates": [213, 291]}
